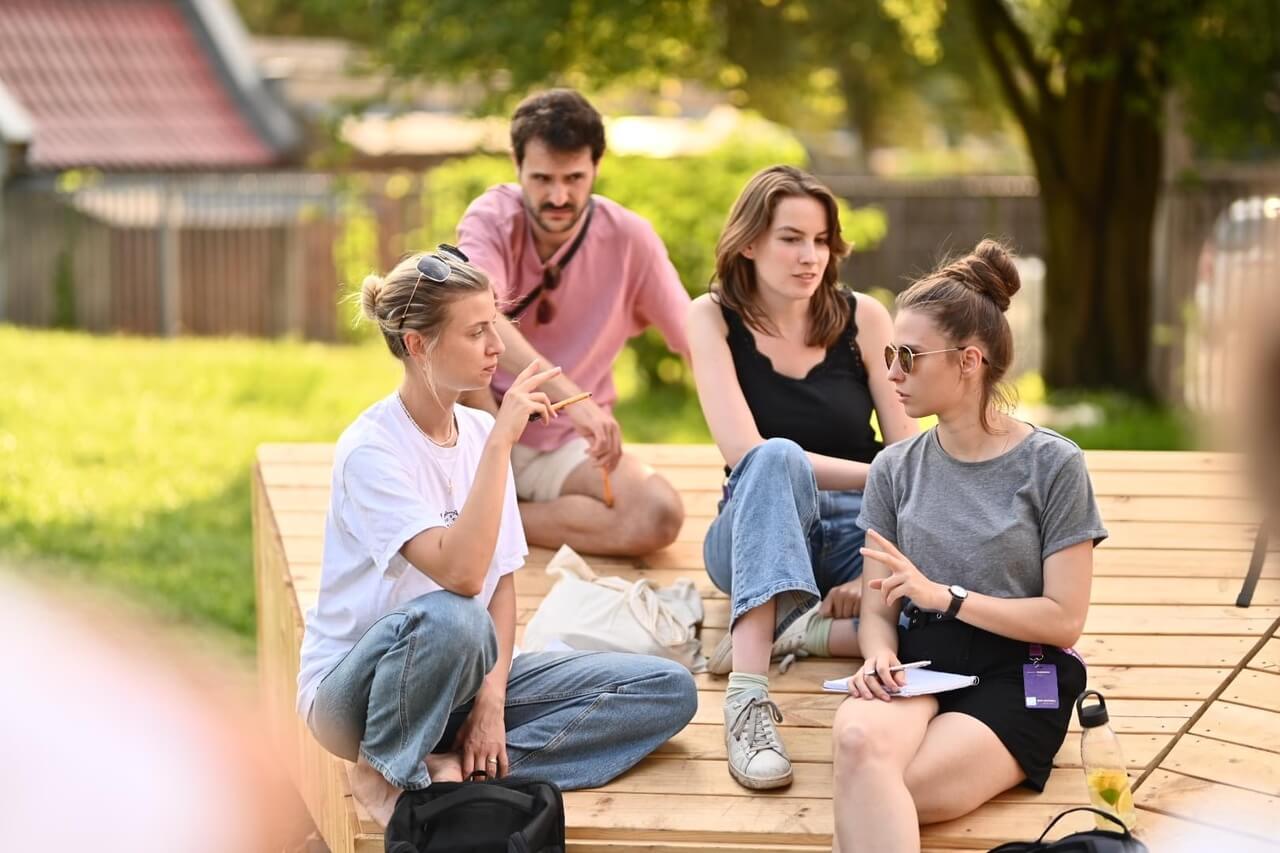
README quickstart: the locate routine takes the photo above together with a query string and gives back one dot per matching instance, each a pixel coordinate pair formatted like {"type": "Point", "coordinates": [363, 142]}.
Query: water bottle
{"type": "Point", "coordinates": [1104, 768]}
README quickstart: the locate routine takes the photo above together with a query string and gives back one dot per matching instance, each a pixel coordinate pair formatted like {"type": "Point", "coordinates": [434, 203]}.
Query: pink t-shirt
{"type": "Point", "coordinates": [618, 283]}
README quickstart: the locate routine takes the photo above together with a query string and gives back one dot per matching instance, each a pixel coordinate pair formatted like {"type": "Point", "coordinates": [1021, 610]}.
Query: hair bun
{"type": "Point", "coordinates": [993, 273]}
{"type": "Point", "coordinates": [370, 292]}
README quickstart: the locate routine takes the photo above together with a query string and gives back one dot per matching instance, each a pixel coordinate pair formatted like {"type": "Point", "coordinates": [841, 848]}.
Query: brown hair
{"type": "Point", "coordinates": [966, 298]}
{"type": "Point", "coordinates": [734, 285]}
{"type": "Point", "coordinates": [384, 300]}
{"type": "Point", "coordinates": [561, 118]}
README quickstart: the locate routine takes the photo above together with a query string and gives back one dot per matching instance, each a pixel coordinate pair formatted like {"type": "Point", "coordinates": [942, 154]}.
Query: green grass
{"type": "Point", "coordinates": [124, 462]}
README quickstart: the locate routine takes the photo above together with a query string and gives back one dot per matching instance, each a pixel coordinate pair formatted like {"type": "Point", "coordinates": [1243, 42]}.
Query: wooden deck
{"type": "Point", "coordinates": [1193, 682]}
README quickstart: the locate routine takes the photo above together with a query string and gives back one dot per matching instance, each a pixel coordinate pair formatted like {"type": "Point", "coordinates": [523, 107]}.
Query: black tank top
{"type": "Point", "coordinates": [827, 412]}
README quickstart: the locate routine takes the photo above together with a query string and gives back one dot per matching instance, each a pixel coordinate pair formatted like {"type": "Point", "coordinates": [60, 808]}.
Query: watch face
{"type": "Point", "coordinates": [959, 591]}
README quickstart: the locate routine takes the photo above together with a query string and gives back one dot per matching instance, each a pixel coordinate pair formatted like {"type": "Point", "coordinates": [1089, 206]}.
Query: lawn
{"type": "Point", "coordinates": [124, 462]}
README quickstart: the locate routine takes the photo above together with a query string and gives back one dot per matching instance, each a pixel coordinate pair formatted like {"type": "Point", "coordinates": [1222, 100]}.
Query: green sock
{"type": "Point", "coordinates": [746, 682]}
{"type": "Point", "coordinates": [817, 636]}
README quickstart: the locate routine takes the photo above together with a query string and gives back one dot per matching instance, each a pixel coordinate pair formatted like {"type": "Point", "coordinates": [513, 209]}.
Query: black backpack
{"type": "Point", "coordinates": [498, 816]}
{"type": "Point", "coordinates": [1091, 841]}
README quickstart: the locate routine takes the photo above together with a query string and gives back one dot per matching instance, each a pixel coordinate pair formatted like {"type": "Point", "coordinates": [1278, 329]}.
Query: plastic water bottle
{"type": "Point", "coordinates": [1104, 767]}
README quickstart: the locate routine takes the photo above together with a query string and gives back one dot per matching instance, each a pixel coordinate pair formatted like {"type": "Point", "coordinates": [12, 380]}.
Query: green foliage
{"type": "Point", "coordinates": [125, 462]}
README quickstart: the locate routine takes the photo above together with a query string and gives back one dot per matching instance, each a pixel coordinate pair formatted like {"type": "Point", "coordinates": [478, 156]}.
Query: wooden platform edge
{"type": "Point", "coordinates": [318, 776]}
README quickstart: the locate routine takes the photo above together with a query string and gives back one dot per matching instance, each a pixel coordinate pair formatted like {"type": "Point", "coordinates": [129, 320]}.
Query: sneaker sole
{"type": "Point", "coordinates": [758, 784]}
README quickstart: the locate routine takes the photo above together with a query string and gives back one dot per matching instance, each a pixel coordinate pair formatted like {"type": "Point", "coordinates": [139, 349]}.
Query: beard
{"type": "Point", "coordinates": [536, 214]}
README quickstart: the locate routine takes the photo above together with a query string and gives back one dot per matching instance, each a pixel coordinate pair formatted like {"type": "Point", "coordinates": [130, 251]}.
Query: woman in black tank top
{"type": "Point", "coordinates": [780, 357]}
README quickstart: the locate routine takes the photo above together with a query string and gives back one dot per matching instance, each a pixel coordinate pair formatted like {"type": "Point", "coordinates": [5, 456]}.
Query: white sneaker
{"type": "Point", "coordinates": [787, 646]}
{"type": "Point", "coordinates": [757, 758]}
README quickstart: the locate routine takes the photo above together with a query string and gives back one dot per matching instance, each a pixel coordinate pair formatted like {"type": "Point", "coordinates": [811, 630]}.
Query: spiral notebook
{"type": "Point", "coordinates": [920, 682]}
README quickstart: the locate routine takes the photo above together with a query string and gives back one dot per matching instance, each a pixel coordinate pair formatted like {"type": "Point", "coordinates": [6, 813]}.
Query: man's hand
{"type": "Point", "coordinates": [843, 601]}
{"type": "Point", "coordinates": [600, 429]}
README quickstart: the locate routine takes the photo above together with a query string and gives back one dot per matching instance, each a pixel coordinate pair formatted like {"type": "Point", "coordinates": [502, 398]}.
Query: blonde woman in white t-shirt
{"type": "Point", "coordinates": [407, 664]}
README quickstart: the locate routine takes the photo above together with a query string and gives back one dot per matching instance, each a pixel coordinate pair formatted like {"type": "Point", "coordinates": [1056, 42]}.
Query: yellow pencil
{"type": "Point", "coordinates": [608, 490]}
{"type": "Point", "coordinates": [567, 401]}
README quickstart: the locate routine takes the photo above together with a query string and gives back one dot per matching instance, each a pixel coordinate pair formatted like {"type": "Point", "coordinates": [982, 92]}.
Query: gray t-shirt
{"type": "Point", "coordinates": [987, 526]}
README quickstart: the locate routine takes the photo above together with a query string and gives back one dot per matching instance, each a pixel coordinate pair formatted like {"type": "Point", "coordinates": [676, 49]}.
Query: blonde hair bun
{"type": "Point", "coordinates": [370, 292]}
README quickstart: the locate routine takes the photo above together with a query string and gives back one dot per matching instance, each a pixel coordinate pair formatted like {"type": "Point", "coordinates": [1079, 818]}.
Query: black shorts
{"type": "Point", "coordinates": [998, 700]}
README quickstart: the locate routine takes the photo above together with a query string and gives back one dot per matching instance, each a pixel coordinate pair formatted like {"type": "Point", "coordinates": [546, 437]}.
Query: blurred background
{"type": "Point", "coordinates": [190, 188]}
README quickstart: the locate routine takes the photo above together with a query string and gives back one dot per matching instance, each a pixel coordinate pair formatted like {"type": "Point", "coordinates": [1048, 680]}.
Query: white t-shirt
{"type": "Point", "coordinates": [389, 486]}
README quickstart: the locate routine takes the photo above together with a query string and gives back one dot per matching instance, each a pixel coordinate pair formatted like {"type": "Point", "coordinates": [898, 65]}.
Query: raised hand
{"type": "Point", "coordinates": [904, 578]}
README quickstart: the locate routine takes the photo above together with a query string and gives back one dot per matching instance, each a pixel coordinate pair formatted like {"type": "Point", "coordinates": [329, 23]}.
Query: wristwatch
{"type": "Point", "coordinates": [958, 595]}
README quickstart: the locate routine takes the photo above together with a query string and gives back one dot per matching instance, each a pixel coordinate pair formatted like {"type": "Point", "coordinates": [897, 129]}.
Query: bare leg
{"type": "Point", "coordinates": [843, 642]}
{"type": "Point", "coordinates": [875, 741]}
{"type": "Point", "coordinates": [753, 639]}
{"type": "Point", "coordinates": [646, 515]}
{"type": "Point", "coordinates": [956, 741]}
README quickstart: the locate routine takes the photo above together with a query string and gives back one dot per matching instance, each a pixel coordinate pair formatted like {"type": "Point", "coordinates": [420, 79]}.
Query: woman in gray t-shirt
{"type": "Point", "coordinates": [979, 557]}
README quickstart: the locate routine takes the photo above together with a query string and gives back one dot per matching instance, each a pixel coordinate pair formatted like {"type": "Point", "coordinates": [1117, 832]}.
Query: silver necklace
{"type": "Point", "coordinates": [447, 475]}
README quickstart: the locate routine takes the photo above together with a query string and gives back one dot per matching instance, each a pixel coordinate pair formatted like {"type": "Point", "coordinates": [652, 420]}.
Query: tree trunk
{"type": "Point", "coordinates": [1099, 212]}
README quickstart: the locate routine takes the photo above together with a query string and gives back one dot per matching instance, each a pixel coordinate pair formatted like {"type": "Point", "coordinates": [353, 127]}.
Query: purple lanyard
{"type": "Point", "coordinates": [1037, 654]}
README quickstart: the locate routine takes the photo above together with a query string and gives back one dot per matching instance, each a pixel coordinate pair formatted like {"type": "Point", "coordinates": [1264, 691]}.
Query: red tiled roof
{"type": "Point", "coordinates": [121, 84]}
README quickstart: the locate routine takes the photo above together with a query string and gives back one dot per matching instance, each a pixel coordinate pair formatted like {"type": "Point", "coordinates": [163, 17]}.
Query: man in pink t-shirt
{"type": "Point", "coordinates": [579, 275]}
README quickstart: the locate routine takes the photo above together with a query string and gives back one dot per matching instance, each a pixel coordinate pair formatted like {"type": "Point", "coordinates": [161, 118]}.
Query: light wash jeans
{"type": "Point", "coordinates": [777, 534]}
{"type": "Point", "coordinates": [576, 718]}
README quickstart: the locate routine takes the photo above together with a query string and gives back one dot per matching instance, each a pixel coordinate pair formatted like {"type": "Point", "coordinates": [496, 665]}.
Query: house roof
{"type": "Point", "coordinates": [135, 85]}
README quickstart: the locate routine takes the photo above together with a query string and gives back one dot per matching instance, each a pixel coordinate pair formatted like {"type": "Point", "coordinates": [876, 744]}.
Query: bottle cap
{"type": "Point", "coordinates": [1094, 715]}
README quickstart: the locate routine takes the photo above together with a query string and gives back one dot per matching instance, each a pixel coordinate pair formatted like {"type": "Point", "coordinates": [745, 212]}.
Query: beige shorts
{"type": "Point", "coordinates": [540, 474]}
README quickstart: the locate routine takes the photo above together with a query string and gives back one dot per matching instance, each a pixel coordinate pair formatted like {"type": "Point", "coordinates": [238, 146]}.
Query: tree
{"type": "Point", "coordinates": [1088, 85]}
{"type": "Point", "coordinates": [1086, 80]}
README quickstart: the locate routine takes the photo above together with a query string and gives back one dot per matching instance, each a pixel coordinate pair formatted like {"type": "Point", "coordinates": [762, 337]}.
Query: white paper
{"type": "Point", "coordinates": [920, 682]}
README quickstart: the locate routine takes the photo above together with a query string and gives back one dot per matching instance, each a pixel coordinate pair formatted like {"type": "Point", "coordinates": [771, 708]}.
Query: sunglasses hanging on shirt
{"type": "Point", "coordinates": [551, 277]}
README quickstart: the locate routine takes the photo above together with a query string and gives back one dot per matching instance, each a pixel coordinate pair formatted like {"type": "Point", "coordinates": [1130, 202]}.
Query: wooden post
{"type": "Point", "coordinates": [170, 262]}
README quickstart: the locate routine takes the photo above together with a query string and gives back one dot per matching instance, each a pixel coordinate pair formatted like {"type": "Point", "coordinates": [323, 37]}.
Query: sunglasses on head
{"type": "Point", "coordinates": [433, 267]}
{"type": "Point", "coordinates": [907, 357]}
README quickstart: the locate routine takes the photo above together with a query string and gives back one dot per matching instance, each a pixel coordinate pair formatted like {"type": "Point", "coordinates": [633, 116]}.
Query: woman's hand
{"type": "Point", "coordinates": [904, 578]}
{"type": "Point", "coordinates": [482, 740]}
{"type": "Point", "coordinates": [843, 601]}
{"type": "Point", "coordinates": [874, 680]}
{"type": "Point", "coordinates": [523, 400]}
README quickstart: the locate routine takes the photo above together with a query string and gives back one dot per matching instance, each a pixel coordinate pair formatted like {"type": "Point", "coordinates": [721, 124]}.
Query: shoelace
{"type": "Point", "coordinates": [753, 717]}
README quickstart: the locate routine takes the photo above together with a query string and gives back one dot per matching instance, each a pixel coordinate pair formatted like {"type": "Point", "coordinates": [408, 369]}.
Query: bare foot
{"type": "Point", "coordinates": [374, 792]}
{"type": "Point", "coordinates": [444, 767]}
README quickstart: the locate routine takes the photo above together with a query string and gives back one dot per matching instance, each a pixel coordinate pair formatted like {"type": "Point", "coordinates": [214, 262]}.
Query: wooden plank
{"type": "Point", "coordinates": [1160, 619]}
{"type": "Point", "coordinates": [1234, 809]}
{"type": "Point", "coordinates": [1268, 657]}
{"type": "Point", "coordinates": [1227, 763]}
{"type": "Point", "coordinates": [1258, 689]}
{"type": "Point", "coordinates": [1128, 590]}
{"type": "Point", "coordinates": [659, 775]}
{"type": "Point", "coordinates": [706, 743]}
{"type": "Point", "coordinates": [817, 710]}
{"type": "Point", "coordinates": [1241, 724]}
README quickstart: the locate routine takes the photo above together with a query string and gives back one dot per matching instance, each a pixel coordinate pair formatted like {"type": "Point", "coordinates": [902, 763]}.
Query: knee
{"type": "Point", "coordinates": [672, 685]}
{"type": "Point", "coordinates": [656, 523]}
{"type": "Point", "coordinates": [455, 625]}
{"type": "Point", "coordinates": [783, 457]}
{"type": "Point", "coordinates": [858, 747]}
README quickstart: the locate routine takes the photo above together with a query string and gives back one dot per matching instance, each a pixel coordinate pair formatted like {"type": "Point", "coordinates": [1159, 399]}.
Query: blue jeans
{"type": "Point", "coordinates": [577, 718]}
{"type": "Point", "coordinates": [777, 534]}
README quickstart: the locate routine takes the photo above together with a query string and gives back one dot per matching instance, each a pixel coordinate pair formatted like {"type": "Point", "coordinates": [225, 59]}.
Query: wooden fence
{"type": "Point", "coordinates": [268, 254]}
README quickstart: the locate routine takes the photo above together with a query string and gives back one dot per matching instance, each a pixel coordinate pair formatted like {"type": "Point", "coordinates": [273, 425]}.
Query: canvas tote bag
{"type": "Point", "coordinates": [587, 612]}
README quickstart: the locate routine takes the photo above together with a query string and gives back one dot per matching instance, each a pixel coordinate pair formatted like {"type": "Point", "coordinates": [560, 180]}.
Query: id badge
{"type": "Point", "coordinates": [1040, 685]}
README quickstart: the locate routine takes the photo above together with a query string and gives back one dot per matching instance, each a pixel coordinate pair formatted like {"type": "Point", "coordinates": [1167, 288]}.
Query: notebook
{"type": "Point", "coordinates": [920, 682]}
